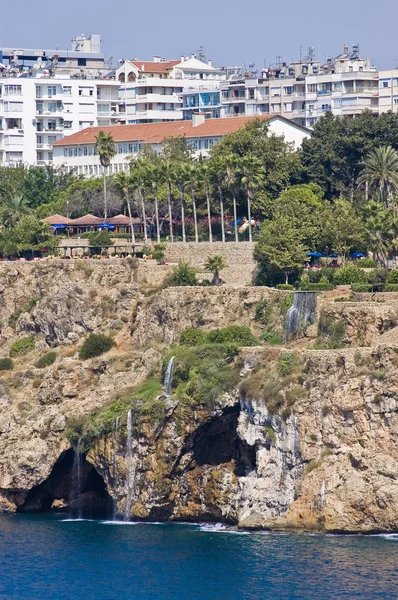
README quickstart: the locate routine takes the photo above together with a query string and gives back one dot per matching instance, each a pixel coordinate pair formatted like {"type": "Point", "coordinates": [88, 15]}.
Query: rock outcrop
{"type": "Point", "coordinates": [307, 440]}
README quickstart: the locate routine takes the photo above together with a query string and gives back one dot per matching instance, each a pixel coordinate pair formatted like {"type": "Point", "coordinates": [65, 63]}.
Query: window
{"type": "Point", "coordinates": [68, 106]}
{"type": "Point", "coordinates": [13, 106]}
{"type": "Point", "coordinates": [12, 90]}
{"type": "Point", "coordinates": [86, 108]}
{"type": "Point", "coordinates": [67, 90]}
{"type": "Point", "coordinates": [50, 156]}
{"type": "Point", "coordinates": [385, 84]}
{"type": "Point", "coordinates": [51, 90]}
{"type": "Point", "coordinates": [85, 151]}
{"type": "Point", "coordinates": [67, 124]}
{"type": "Point", "coordinates": [70, 152]}
{"type": "Point", "coordinates": [52, 107]}
{"type": "Point", "coordinates": [14, 157]}
{"type": "Point", "coordinates": [312, 88]}
{"type": "Point", "coordinates": [75, 151]}
{"type": "Point", "coordinates": [52, 139]}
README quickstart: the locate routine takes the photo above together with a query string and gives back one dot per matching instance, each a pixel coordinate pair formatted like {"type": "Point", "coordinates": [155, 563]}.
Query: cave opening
{"type": "Point", "coordinates": [60, 492]}
{"type": "Point", "coordinates": [217, 442]}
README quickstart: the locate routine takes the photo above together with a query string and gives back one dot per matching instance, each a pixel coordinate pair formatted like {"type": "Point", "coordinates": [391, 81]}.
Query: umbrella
{"type": "Point", "coordinates": [315, 254]}
{"type": "Point", "coordinates": [59, 226]}
{"type": "Point", "coordinates": [357, 255]}
{"type": "Point", "coordinates": [106, 225]}
{"type": "Point", "coordinates": [333, 255]}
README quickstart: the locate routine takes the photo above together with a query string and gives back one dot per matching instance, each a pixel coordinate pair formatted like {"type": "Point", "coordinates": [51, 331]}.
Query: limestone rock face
{"type": "Point", "coordinates": [329, 463]}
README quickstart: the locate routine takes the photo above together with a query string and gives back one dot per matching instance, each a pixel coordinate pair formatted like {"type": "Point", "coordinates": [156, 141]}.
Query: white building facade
{"type": "Point", "coordinates": [46, 96]}
{"type": "Point", "coordinates": [153, 91]}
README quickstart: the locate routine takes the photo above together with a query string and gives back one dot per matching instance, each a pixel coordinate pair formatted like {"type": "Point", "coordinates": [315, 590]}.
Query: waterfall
{"type": "Point", "coordinates": [129, 466]}
{"type": "Point", "coordinates": [168, 378]}
{"type": "Point", "coordinates": [301, 313]}
{"type": "Point", "coordinates": [76, 480]}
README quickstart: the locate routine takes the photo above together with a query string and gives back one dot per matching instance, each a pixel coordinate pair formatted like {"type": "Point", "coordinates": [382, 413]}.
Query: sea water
{"type": "Point", "coordinates": [50, 557]}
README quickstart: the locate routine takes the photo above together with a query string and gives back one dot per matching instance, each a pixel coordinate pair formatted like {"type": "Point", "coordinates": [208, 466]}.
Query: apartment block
{"type": "Point", "coordinates": [154, 91]}
{"type": "Point", "coordinates": [46, 95]}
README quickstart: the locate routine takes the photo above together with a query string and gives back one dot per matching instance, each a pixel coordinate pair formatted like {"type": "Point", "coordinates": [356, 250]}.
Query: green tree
{"type": "Point", "coordinates": [381, 229]}
{"type": "Point", "coordinates": [44, 185]}
{"type": "Point", "coordinates": [177, 149]}
{"type": "Point", "coordinates": [216, 176]}
{"type": "Point", "coordinates": [29, 235]}
{"type": "Point", "coordinates": [231, 181]}
{"type": "Point", "coordinates": [182, 177]}
{"type": "Point", "coordinates": [13, 208]}
{"type": "Point", "coordinates": [280, 161]}
{"type": "Point", "coordinates": [140, 170]}
{"type": "Point", "coordinates": [204, 174]}
{"type": "Point", "coordinates": [342, 227]}
{"type": "Point", "coordinates": [380, 172]}
{"type": "Point", "coordinates": [105, 148]}
{"type": "Point", "coordinates": [215, 264]}
{"type": "Point", "coordinates": [125, 184]}
{"type": "Point", "coordinates": [280, 246]}
{"type": "Point", "coordinates": [251, 178]}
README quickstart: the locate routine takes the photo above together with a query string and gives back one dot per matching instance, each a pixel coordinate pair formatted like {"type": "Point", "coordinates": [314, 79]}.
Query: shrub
{"type": "Point", "coordinates": [367, 287]}
{"type": "Point", "coordinates": [330, 332]}
{"type": "Point", "coordinates": [316, 287]}
{"type": "Point", "coordinates": [287, 363]}
{"type": "Point", "coordinates": [22, 346]}
{"type": "Point", "coordinates": [350, 274]}
{"type": "Point", "coordinates": [132, 262]}
{"type": "Point", "coordinates": [5, 364]}
{"type": "Point", "coordinates": [392, 276]}
{"type": "Point", "coordinates": [235, 334]}
{"type": "Point", "coordinates": [284, 286]}
{"type": "Point", "coordinates": [95, 345]}
{"type": "Point", "coordinates": [315, 275]}
{"type": "Point", "coordinates": [182, 274]}
{"type": "Point", "coordinates": [366, 263]}
{"type": "Point", "coordinates": [46, 360]}
{"type": "Point", "coordinates": [192, 337]}
{"type": "Point", "coordinates": [99, 239]}
{"type": "Point", "coordinates": [391, 287]}
{"type": "Point", "coordinates": [159, 253]}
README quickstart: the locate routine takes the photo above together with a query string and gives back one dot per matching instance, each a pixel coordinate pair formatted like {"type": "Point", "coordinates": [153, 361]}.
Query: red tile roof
{"type": "Point", "coordinates": [57, 220]}
{"type": "Point", "coordinates": [87, 220]}
{"type": "Point", "coordinates": [146, 66]}
{"type": "Point", "coordinates": [152, 133]}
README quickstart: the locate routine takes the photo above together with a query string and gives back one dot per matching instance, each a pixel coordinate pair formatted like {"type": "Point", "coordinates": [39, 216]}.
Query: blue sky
{"type": "Point", "coordinates": [231, 32]}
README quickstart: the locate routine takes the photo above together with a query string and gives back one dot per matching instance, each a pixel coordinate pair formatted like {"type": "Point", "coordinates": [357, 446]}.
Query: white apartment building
{"type": "Point", "coordinates": [303, 91]}
{"type": "Point", "coordinates": [152, 91]}
{"type": "Point", "coordinates": [46, 95]}
{"type": "Point", "coordinates": [388, 91]}
{"type": "Point", "coordinates": [77, 151]}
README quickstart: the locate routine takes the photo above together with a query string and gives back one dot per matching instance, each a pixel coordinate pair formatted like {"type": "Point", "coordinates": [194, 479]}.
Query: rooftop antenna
{"type": "Point", "coordinates": [201, 54]}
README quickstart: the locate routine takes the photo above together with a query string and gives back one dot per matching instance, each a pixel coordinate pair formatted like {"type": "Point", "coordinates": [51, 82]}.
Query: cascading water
{"type": "Point", "coordinates": [168, 378]}
{"type": "Point", "coordinates": [129, 466]}
{"type": "Point", "coordinates": [76, 481]}
{"type": "Point", "coordinates": [301, 313]}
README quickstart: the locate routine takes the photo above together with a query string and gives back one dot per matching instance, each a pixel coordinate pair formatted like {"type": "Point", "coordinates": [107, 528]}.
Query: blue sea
{"type": "Point", "coordinates": [48, 558]}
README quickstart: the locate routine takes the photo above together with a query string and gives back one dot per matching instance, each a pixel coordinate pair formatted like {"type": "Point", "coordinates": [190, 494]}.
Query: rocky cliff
{"type": "Point", "coordinates": [271, 437]}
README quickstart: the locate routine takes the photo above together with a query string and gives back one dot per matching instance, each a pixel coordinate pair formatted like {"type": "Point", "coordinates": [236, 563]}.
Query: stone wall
{"type": "Point", "coordinates": [238, 256]}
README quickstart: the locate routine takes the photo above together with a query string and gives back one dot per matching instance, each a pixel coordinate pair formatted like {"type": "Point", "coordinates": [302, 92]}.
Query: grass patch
{"type": "Point", "coordinates": [22, 346]}
{"type": "Point", "coordinates": [271, 435]}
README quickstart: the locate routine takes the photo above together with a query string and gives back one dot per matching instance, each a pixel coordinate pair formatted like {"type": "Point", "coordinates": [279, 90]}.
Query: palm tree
{"type": "Point", "coordinates": [167, 174]}
{"type": "Point", "coordinates": [217, 177]}
{"type": "Point", "coordinates": [195, 179]}
{"type": "Point", "coordinates": [231, 165]}
{"type": "Point", "coordinates": [140, 173]}
{"type": "Point", "coordinates": [381, 172]}
{"type": "Point", "coordinates": [155, 177]}
{"type": "Point", "coordinates": [125, 184]}
{"type": "Point", "coordinates": [106, 150]}
{"type": "Point", "coordinates": [14, 207]}
{"type": "Point", "coordinates": [204, 176]}
{"type": "Point", "coordinates": [380, 231]}
{"type": "Point", "coordinates": [252, 175]}
{"type": "Point", "coordinates": [215, 264]}
{"type": "Point", "coordinates": [182, 177]}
